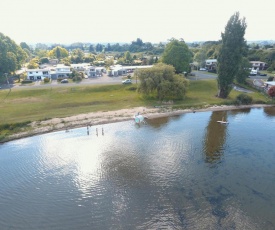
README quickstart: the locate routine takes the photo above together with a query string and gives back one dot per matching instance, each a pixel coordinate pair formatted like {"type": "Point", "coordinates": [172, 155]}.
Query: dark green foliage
{"type": "Point", "coordinates": [243, 99]}
{"type": "Point", "coordinates": [26, 81]}
{"type": "Point", "coordinates": [269, 69]}
{"type": "Point", "coordinates": [230, 56]}
{"type": "Point", "coordinates": [44, 60]}
{"type": "Point", "coordinates": [14, 126]}
{"type": "Point", "coordinates": [177, 54]}
{"type": "Point", "coordinates": [132, 88]}
{"type": "Point", "coordinates": [77, 78]}
{"type": "Point", "coordinates": [7, 129]}
{"type": "Point", "coordinates": [270, 78]}
{"type": "Point", "coordinates": [243, 71]}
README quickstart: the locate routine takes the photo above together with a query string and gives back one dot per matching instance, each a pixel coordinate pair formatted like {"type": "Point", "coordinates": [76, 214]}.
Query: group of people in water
{"type": "Point", "coordinates": [88, 131]}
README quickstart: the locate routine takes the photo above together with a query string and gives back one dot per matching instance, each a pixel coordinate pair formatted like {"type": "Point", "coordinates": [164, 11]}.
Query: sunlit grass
{"type": "Point", "coordinates": [22, 105]}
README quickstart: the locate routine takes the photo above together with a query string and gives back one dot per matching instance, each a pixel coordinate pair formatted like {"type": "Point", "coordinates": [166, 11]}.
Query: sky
{"type": "Point", "coordinates": [103, 21]}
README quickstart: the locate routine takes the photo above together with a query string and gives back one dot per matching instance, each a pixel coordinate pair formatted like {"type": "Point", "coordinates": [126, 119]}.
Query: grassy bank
{"type": "Point", "coordinates": [20, 106]}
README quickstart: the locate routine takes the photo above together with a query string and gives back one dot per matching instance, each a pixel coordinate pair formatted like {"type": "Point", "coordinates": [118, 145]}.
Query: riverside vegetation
{"type": "Point", "coordinates": [19, 107]}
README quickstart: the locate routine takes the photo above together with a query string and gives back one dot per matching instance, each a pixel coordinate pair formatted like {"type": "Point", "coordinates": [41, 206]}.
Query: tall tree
{"type": "Point", "coordinates": [177, 54]}
{"type": "Point", "coordinates": [230, 56]}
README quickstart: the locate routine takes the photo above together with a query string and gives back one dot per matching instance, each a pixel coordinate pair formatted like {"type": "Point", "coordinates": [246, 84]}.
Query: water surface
{"type": "Point", "coordinates": [184, 172]}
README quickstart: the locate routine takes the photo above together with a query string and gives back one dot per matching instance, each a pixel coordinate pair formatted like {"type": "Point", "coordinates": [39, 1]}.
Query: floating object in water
{"type": "Point", "coordinates": [139, 118]}
{"type": "Point", "coordinates": [223, 121]}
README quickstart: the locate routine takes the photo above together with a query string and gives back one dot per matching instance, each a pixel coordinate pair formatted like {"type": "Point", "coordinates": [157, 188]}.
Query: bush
{"type": "Point", "coordinates": [132, 88]}
{"type": "Point", "coordinates": [270, 78]}
{"type": "Point", "coordinates": [46, 80]}
{"type": "Point", "coordinates": [243, 99]}
{"type": "Point", "coordinates": [77, 78]}
{"type": "Point", "coordinates": [269, 70]}
{"type": "Point", "coordinates": [26, 81]}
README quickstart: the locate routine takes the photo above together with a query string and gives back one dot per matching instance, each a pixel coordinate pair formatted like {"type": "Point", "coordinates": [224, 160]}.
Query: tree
{"type": "Point", "coordinates": [33, 64]}
{"type": "Point", "coordinates": [99, 48]}
{"type": "Point", "coordinates": [77, 56]}
{"type": "Point", "coordinates": [44, 60]}
{"type": "Point", "coordinates": [127, 57]}
{"type": "Point", "coordinates": [177, 54]}
{"type": "Point", "coordinates": [58, 52]}
{"type": "Point", "coordinates": [200, 57]}
{"type": "Point", "coordinates": [230, 55]}
{"type": "Point", "coordinates": [24, 45]}
{"type": "Point", "coordinates": [162, 81]}
{"type": "Point", "coordinates": [12, 56]}
{"type": "Point", "coordinates": [243, 71]}
{"type": "Point", "coordinates": [91, 48]}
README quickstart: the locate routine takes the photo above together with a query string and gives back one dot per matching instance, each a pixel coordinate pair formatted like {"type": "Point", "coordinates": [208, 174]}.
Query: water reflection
{"type": "Point", "coordinates": [163, 121]}
{"type": "Point", "coordinates": [239, 111]}
{"type": "Point", "coordinates": [269, 111]}
{"type": "Point", "coordinates": [215, 136]}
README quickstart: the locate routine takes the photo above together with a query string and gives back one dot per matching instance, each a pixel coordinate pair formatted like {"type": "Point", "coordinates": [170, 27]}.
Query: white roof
{"type": "Point", "coordinates": [270, 82]}
{"type": "Point", "coordinates": [36, 70]}
{"type": "Point", "coordinates": [211, 60]}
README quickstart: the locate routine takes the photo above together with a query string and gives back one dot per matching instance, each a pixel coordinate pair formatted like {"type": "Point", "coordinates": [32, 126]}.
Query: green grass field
{"type": "Point", "coordinates": [23, 105]}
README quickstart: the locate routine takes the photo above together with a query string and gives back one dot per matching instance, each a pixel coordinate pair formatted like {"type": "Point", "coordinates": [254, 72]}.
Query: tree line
{"type": "Point", "coordinates": [232, 52]}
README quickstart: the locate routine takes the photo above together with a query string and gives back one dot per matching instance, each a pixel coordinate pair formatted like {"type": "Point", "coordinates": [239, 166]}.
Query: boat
{"type": "Point", "coordinates": [139, 118]}
{"type": "Point", "coordinates": [223, 121]}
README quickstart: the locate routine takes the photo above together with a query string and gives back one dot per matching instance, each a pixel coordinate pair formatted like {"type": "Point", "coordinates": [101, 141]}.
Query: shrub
{"type": "Point", "coordinates": [243, 99]}
{"type": "Point", "coordinates": [46, 80]}
{"type": "Point", "coordinates": [132, 88]}
{"type": "Point", "coordinates": [269, 70]}
{"type": "Point", "coordinates": [77, 78]}
{"type": "Point", "coordinates": [270, 78]}
{"type": "Point", "coordinates": [26, 81]}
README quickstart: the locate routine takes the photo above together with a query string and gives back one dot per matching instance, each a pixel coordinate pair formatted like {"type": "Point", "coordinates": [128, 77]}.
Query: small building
{"type": "Point", "coordinates": [38, 74]}
{"type": "Point", "coordinates": [62, 71]}
{"type": "Point", "coordinates": [211, 64]}
{"type": "Point", "coordinates": [119, 70]}
{"type": "Point", "coordinates": [80, 66]}
{"type": "Point", "coordinates": [92, 71]}
{"type": "Point", "coordinates": [258, 65]}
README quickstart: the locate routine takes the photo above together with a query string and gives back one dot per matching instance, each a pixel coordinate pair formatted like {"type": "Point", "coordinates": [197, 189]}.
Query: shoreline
{"type": "Point", "coordinates": [101, 117]}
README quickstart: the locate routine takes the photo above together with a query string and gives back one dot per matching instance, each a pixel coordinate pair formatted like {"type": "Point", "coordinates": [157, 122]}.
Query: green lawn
{"type": "Point", "coordinates": [22, 105]}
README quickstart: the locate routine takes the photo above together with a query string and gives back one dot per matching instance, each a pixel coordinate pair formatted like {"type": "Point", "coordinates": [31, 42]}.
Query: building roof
{"type": "Point", "coordinates": [36, 70]}
{"type": "Point", "coordinates": [270, 83]}
{"type": "Point", "coordinates": [252, 62]}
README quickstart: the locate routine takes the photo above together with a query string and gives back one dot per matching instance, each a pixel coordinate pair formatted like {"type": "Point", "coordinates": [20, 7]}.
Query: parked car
{"type": "Point", "coordinates": [262, 74]}
{"type": "Point", "coordinates": [212, 71]}
{"type": "Point", "coordinates": [127, 81]}
{"type": "Point", "coordinates": [64, 81]}
{"type": "Point", "coordinates": [202, 69]}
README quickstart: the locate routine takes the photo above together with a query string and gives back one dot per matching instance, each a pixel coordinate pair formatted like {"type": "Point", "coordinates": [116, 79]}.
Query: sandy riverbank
{"type": "Point", "coordinates": [81, 120]}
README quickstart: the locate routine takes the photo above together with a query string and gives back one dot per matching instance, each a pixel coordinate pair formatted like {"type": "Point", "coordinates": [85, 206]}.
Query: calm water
{"type": "Point", "coordinates": [185, 172]}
